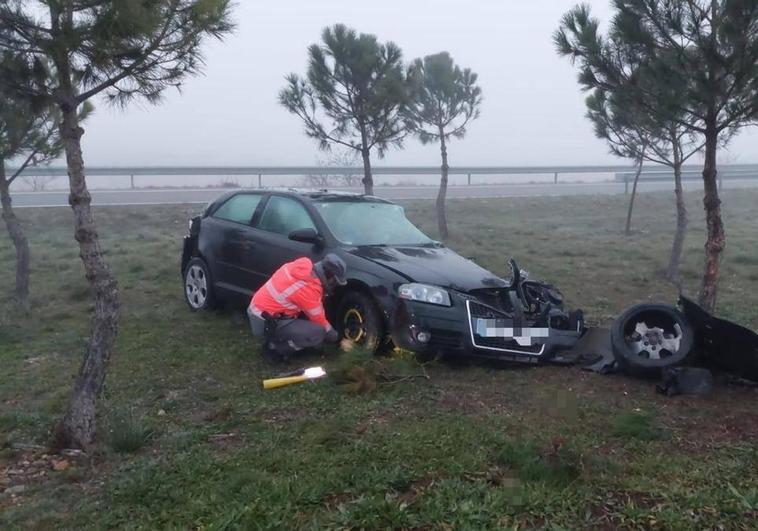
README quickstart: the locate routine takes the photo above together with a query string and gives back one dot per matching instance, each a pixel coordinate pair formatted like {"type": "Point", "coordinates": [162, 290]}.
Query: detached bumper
{"type": "Point", "coordinates": [470, 328]}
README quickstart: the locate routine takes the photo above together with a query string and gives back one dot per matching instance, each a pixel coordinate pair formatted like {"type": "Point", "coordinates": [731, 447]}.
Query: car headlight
{"type": "Point", "coordinates": [424, 293]}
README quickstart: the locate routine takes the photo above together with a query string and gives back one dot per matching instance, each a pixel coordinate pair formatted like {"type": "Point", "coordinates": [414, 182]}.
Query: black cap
{"type": "Point", "coordinates": [334, 266]}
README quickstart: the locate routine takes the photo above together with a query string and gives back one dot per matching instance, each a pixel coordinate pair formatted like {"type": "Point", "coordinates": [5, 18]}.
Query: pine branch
{"type": "Point", "coordinates": [22, 167]}
{"type": "Point", "coordinates": [129, 70]}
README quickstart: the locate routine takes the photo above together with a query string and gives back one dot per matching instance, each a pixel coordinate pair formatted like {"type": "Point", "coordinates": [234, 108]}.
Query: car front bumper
{"type": "Point", "coordinates": [471, 328]}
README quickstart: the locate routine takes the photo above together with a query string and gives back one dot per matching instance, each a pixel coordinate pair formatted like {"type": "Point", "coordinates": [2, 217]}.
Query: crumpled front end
{"type": "Point", "coordinates": [495, 332]}
{"type": "Point", "coordinates": [487, 324]}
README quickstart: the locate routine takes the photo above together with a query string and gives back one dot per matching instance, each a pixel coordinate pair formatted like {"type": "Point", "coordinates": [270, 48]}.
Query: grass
{"type": "Point", "coordinates": [127, 433]}
{"type": "Point", "coordinates": [470, 447]}
{"type": "Point", "coordinates": [636, 425]}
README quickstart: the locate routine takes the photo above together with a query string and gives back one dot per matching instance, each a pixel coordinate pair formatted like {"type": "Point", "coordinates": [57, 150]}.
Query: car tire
{"type": "Point", "coordinates": [198, 286]}
{"type": "Point", "coordinates": [647, 338]}
{"type": "Point", "coordinates": [359, 319]}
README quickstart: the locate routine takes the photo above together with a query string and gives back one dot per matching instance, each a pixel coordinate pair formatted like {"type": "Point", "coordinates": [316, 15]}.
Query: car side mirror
{"type": "Point", "coordinates": [305, 235]}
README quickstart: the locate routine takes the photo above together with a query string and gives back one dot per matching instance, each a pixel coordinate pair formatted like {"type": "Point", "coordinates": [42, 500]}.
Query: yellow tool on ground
{"type": "Point", "coordinates": [307, 374]}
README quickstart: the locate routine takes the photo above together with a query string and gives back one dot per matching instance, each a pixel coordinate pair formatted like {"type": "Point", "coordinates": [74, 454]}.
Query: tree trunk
{"type": "Point", "coordinates": [628, 228]}
{"type": "Point", "coordinates": [16, 233]}
{"type": "Point", "coordinates": [442, 194]}
{"type": "Point", "coordinates": [368, 180]}
{"type": "Point", "coordinates": [673, 273]}
{"type": "Point", "coordinates": [78, 427]}
{"type": "Point", "coordinates": [716, 238]}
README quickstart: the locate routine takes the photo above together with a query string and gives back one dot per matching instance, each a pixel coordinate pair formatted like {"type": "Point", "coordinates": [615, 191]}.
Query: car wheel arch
{"type": "Point", "coordinates": [354, 285]}
{"type": "Point", "coordinates": [199, 253]}
{"type": "Point", "coordinates": [192, 256]}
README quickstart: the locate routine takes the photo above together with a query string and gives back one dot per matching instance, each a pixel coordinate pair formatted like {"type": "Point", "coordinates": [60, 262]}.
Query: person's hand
{"type": "Point", "coordinates": [332, 336]}
{"type": "Point", "coordinates": [347, 344]}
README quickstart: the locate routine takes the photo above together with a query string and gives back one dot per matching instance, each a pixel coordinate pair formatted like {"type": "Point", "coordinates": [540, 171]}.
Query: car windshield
{"type": "Point", "coordinates": [367, 223]}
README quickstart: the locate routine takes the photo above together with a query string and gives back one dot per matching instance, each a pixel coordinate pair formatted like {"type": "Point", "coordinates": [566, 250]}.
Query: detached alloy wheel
{"type": "Point", "coordinates": [359, 320]}
{"type": "Point", "coordinates": [650, 337]}
{"type": "Point", "coordinates": [198, 288]}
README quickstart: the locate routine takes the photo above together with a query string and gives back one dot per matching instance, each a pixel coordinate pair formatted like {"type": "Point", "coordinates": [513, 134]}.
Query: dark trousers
{"type": "Point", "coordinates": [288, 335]}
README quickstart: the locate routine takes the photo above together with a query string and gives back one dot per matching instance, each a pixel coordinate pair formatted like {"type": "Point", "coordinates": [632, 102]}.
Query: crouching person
{"type": "Point", "coordinates": [287, 312]}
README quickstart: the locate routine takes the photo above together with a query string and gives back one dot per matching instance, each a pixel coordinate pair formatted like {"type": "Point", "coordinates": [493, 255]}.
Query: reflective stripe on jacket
{"type": "Point", "coordinates": [292, 289]}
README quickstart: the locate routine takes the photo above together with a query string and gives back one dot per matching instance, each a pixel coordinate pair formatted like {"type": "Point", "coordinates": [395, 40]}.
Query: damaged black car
{"type": "Point", "coordinates": [404, 289]}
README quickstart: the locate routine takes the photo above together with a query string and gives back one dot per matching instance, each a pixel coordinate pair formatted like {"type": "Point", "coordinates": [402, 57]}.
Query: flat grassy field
{"type": "Point", "coordinates": [189, 439]}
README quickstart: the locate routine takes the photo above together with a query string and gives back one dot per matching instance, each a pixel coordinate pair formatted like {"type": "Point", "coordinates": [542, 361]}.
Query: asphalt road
{"type": "Point", "coordinates": [203, 195]}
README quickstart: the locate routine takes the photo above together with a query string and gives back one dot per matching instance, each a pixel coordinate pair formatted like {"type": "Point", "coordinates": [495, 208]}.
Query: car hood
{"type": "Point", "coordinates": [438, 266]}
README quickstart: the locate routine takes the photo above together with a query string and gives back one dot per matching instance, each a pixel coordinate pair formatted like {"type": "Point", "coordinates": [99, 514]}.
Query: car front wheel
{"type": "Point", "coordinates": [359, 320]}
{"type": "Point", "coordinates": [650, 337]}
{"type": "Point", "coordinates": [198, 288]}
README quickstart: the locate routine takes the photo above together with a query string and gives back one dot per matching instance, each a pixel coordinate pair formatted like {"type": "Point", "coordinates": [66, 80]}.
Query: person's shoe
{"type": "Point", "coordinates": [268, 346]}
{"type": "Point", "coordinates": [270, 353]}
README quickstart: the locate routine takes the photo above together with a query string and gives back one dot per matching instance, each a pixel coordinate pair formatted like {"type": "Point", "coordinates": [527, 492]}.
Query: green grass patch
{"type": "Point", "coordinates": [557, 466]}
{"type": "Point", "coordinates": [636, 425]}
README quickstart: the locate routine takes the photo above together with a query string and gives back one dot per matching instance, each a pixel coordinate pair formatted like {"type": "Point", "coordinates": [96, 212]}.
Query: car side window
{"type": "Point", "coordinates": [239, 208]}
{"type": "Point", "coordinates": [283, 215]}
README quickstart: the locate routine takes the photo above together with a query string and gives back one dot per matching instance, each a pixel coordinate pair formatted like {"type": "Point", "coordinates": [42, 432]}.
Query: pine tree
{"type": "Point", "coordinates": [30, 135]}
{"type": "Point", "coordinates": [65, 52]}
{"type": "Point", "coordinates": [624, 130]}
{"type": "Point", "coordinates": [353, 94]}
{"type": "Point", "coordinates": [694, 63]}
{"type": "Point", "coordinates": [632, 133]}
{"type": "Point", "coordinates": [444, 99]}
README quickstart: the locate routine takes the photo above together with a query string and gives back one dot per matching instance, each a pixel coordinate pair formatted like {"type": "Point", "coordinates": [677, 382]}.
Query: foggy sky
{"type": "Point", "coordinates": [532, 114]}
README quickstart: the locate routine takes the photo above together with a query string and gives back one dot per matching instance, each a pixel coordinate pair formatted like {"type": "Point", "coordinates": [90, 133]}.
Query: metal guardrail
{"type": "Point", "coordinates": [324, 170]}
{"type": "Point", "coordinates": [743, 172]}
{"type": "Point", "coordinates": [621, 173]}
{"type": "Point", "coordinates": [261, 171]}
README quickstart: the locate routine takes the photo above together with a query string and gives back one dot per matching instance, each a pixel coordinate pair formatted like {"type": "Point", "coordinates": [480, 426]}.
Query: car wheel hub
{"type": "Point", "coordinates": [654, 343]}
{"type": "Point", "coordinates": [354, 327]}
{"type": "Point", "coordinates": [196, 286]}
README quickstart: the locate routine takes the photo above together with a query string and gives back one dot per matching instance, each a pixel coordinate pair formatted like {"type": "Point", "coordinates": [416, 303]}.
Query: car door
{"type": "Point", "coordinates": [278, 218]}
{"type": "Point", "coordinates": [229, 231]}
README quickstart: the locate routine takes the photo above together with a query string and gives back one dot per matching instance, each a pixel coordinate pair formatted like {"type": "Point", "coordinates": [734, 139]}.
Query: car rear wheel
{"type": "Point", "coordinates": [198, 288]}
{"type": "Point", "coordinates": [359, 320]}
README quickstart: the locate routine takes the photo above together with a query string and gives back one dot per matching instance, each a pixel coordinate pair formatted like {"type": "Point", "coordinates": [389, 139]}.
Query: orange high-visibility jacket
{"type": "Point", "coordinates": [292, 289]}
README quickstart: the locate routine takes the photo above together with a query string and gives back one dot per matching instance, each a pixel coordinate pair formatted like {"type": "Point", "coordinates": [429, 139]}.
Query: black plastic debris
{"type": "Point", "coordinates": [592, 352]}
{"type": "Point", "coordinates": [722, 344]}
{"type": "Point", "coordinates": [685, 381]}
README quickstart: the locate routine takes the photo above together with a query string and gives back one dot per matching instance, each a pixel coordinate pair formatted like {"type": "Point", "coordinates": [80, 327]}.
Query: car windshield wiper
{"type": "Point", "coordinates": [432, 243]}
{"type": "Point", "coordinates": [426, 244]}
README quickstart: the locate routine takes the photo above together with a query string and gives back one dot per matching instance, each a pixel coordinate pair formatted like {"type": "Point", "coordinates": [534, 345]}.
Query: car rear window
{"type": "Point", "coordinates": [239, 208]}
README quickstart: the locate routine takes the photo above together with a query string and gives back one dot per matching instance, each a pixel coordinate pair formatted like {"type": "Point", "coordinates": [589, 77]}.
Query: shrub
{"type": "Point", "coordinates": [127, 432]}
